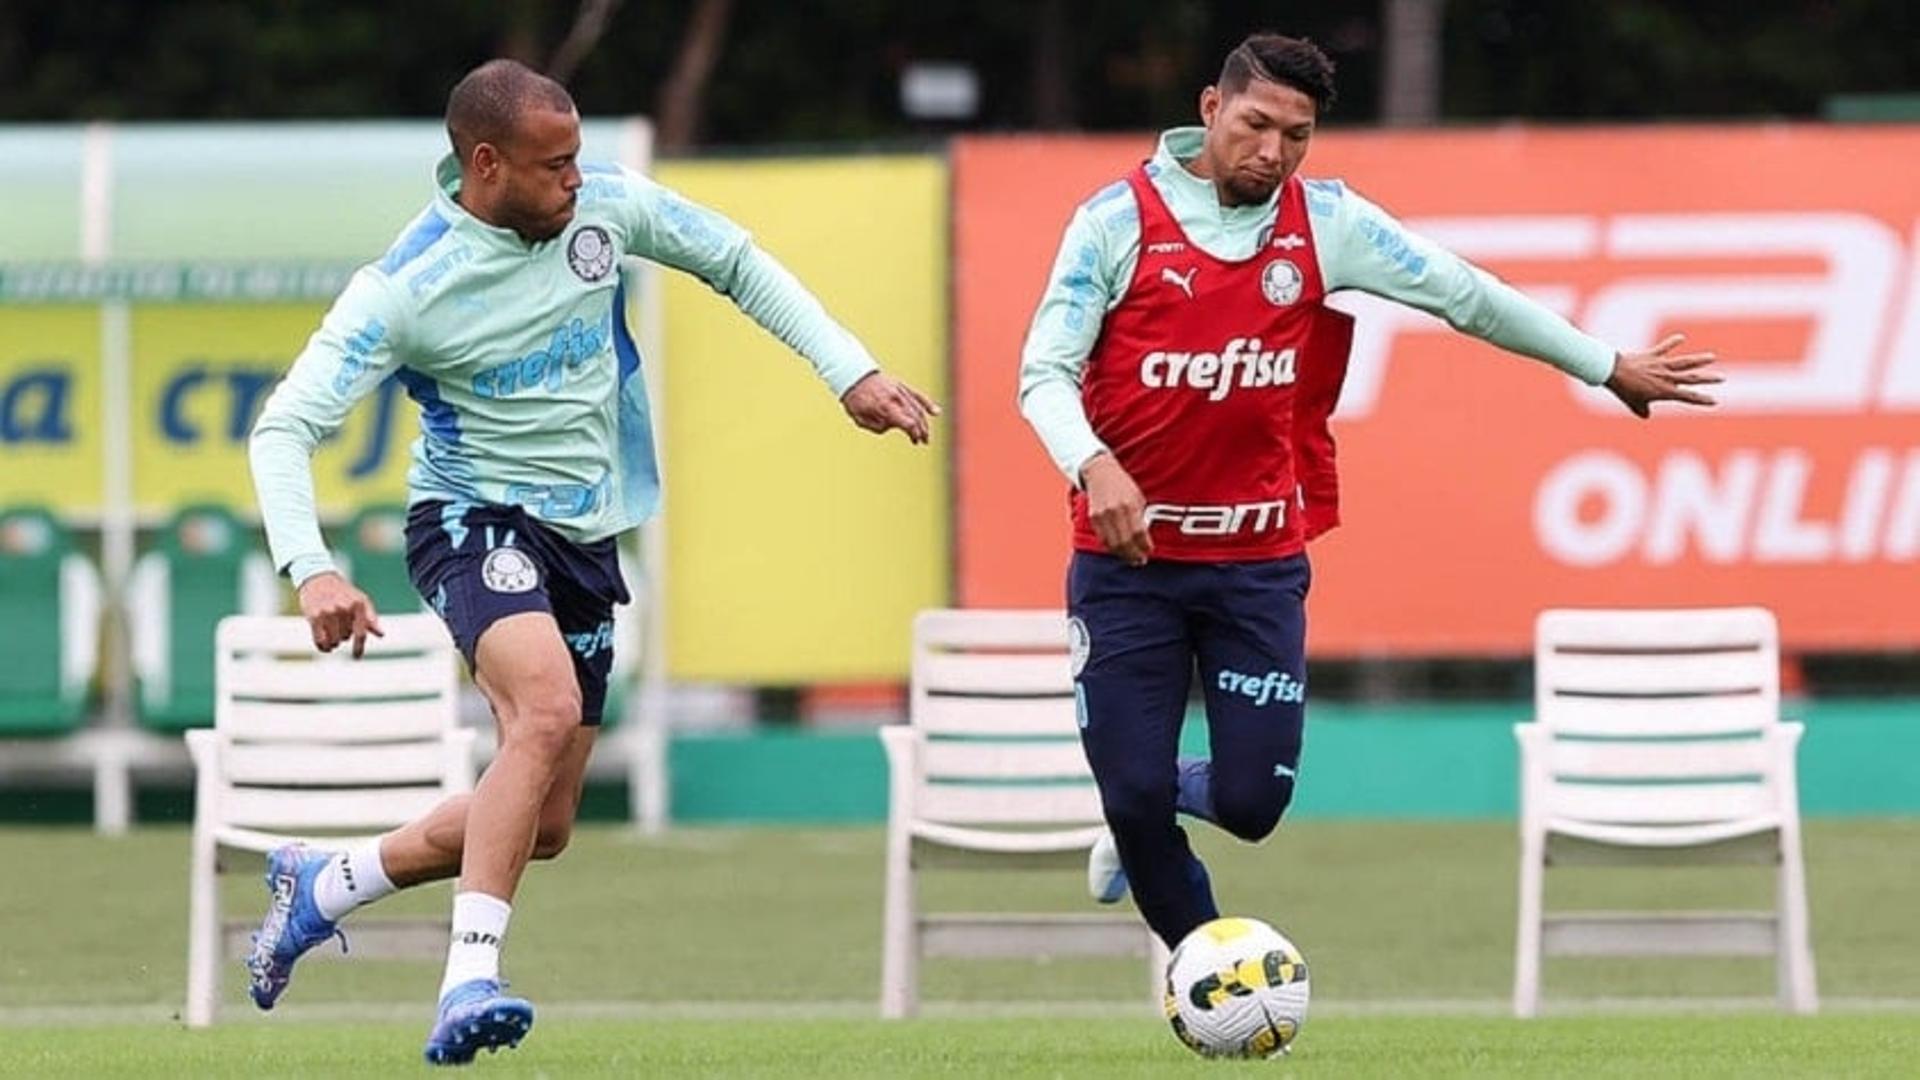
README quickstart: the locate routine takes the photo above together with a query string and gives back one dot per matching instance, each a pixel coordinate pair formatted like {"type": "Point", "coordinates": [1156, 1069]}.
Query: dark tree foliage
{"type": "Point", "coordinates": [828, 71]}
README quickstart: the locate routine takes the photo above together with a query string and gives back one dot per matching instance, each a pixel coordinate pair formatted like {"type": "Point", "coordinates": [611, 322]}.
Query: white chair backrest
{"type": "Point", "coordinates": [1658, 717]}
{"type": "Point", "coordinates": [1707, 671]}
{"type": "Point", "coordinates": [310, 741]}
{"type": "Point", "coordinates": [993, 699]}
{"type": "Point", "coordinates": [79, 625]}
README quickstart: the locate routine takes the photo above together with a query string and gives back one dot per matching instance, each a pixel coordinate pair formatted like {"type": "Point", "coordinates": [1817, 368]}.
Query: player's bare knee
{"type": "Point", "coordinates": [545, 724]}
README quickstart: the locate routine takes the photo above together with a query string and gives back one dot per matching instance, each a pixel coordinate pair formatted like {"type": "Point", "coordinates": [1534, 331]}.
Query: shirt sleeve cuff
{"type": "Point", "coordinates": [1078, 459]}
{"type": "Point", "coordinates": [841, 377]}
{"type": "Point", "coordinates": [1594, 364]}
{"type": "Point", "coordinates": [307, 566]}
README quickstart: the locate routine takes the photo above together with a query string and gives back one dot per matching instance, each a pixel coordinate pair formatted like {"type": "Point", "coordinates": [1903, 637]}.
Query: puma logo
{"type": "Point", "coordinates": [1184, 282]}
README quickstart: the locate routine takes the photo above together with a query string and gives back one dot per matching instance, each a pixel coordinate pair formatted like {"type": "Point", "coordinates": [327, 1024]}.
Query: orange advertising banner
{"type": "Point", "coordinates": [1479, 487]}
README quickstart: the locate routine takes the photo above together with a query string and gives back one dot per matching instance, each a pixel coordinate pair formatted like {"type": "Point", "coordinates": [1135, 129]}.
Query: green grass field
{"type": "Point", "coordinates": [756, 953]}
{"type": "Point", "coordinates": [1744, 1046]}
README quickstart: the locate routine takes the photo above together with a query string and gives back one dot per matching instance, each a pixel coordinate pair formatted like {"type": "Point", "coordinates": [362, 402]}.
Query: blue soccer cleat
{"type": "Point", "coordinates": [293, 924]}
{"type": "Point", "coordinates": [476, 1016]}
{"type": "Point", "coordinates": [1106, 881]}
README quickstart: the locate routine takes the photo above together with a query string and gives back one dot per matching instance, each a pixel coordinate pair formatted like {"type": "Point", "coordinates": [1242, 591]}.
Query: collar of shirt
{"type": "Point", "coordinates": [446, 183]}
{"type": "Point", "coordinates": [1190, 196]}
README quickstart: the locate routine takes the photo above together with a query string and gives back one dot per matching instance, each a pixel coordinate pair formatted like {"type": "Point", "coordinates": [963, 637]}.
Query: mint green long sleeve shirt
{"type": "Point", "coordinates": [1359, 246]}
{"type": "Point", "coordinates": [519, 358]}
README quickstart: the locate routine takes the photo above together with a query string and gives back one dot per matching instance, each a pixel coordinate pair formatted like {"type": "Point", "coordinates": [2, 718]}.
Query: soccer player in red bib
{"type": "Point", "coordinates": [1180, 370]}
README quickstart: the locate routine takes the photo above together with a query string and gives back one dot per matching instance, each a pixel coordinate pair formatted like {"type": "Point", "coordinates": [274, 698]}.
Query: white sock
{"type": "Point", "coordinates": [351, 879]}
{"type": "Point", "coordinates": [479, 926]}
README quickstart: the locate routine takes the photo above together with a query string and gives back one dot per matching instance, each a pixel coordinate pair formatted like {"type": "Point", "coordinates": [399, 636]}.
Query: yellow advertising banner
{"type": "Point", "coordinates": [50, 445]}
{"type": "Point", "coordinates": [201, 372]}
{"type": "Point", "coordinates": [799, 546]}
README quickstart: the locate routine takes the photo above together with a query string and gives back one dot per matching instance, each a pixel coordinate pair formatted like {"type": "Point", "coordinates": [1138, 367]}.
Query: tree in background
{"type": "Point", "coordinates": [713, 72]}
{"type": "Point", "coordinates": [683, 93]}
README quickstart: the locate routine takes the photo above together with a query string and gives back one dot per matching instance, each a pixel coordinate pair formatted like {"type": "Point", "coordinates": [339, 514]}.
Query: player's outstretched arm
{"type": "Point", "coordinates": [677, 232]}
{"type": "Point", "coordinates": [337, 612]}
{"type": "Point", "coordinates": [881, 403]}
{"type": "Point", "coordinates": [1659, 374]}
{"type": "Point", "coordinates": [1363, 247]}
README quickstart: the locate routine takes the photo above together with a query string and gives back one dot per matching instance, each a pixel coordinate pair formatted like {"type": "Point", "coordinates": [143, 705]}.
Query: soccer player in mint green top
{"type": "Point", "coordinates": [500, 310]}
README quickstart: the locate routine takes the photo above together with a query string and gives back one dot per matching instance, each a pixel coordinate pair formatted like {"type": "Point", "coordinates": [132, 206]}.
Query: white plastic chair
{"type": "Point", "coordinates": [1658, 740]}
{"type": "Point", "coordinates": [307, 747]}
{"type": "Point", "coordinates": [989, 772]}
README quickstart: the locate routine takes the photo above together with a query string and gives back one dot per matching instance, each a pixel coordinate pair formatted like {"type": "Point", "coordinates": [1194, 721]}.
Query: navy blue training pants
{"type": "Point", "coordinates": [1139, 634]}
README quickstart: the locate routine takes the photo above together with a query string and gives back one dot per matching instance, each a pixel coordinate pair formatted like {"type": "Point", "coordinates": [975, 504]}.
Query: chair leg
{"type": "Point", "coordinates": [1526, 963]}
{"type": "Point", "coordinates": [653, 784]}
{"type": "Point", "coordinates": [112, 786]}
{"type": "Point", "coordinates": [1793, 954]}
{"type": "Point", "coordinates": [900, 945]}
{"type": "Point", "coordinates": [203, 932]}
{"type": "Point", "coordinates": [646, 748]}
{"type": "Point", "coordinates": [1158, 958]}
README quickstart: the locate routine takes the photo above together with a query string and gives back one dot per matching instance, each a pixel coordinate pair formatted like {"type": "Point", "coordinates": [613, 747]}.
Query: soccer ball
{"type": "Point", "coordinates": [1236, 988]}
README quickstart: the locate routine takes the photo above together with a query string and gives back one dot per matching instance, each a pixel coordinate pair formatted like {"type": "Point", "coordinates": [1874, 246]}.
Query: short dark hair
{"type": "Point", "coordinates": [1294, 62]}
{"type": "Point", "coordinates": [484, 105]}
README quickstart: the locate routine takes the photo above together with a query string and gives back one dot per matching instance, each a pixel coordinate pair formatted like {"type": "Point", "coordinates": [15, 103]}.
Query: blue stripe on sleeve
{"type": "Point", "coordinates": [418, 239]}
{"type": "Point", "coordinates": [1107, 194]}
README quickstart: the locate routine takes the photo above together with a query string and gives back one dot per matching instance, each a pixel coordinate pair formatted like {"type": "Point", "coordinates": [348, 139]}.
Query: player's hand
{"type": "Point", "coordinates": [337, 612]}
{"type": "Point", "coordinates": [1641, 378]}
{"type": "Point", "coordinates": [880, 403]}
{"type": "Point", "coordinates": [1117, 509]}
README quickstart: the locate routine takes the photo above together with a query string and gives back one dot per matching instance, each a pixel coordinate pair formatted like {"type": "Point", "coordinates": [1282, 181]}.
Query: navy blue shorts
{"type": "Point", "coordinates": [477, 563]}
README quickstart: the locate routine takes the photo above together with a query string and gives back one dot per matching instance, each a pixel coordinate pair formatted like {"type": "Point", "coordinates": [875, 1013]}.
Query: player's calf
{"type": "Point", "coordinates": [552, 838]}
